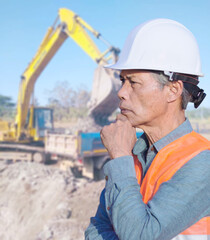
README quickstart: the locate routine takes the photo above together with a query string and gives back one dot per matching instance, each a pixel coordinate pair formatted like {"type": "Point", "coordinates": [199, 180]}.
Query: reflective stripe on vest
{"type": "Point", "coordinates": [166, 163]}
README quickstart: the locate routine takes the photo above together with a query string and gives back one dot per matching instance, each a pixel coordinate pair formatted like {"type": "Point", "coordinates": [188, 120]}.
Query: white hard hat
{"type": "Point", "coordinates": [163, 45]}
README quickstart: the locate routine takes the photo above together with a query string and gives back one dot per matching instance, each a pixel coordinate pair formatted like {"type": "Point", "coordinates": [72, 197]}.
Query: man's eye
{"type": "Point", "coordinates": [122, 80]}
{"type": "Point", "coordinates": [132, 83]}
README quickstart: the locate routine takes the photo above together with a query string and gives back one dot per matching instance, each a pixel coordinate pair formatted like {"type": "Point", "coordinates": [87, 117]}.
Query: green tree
{"type": "Point", "coordinates": [6, 107]}
{"type": "Point", "coordinates": [200, 113]}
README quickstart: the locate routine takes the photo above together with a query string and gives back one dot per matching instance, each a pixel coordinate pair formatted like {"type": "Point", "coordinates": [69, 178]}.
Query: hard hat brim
{"type": "Point", "coordinates": [120, 67]}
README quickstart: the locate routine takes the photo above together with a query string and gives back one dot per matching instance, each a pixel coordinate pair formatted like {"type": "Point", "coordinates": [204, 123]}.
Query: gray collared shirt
{"type": "Point", "coordinates": [178, 204]}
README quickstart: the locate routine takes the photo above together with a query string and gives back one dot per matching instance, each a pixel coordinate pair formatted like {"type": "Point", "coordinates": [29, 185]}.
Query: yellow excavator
{"type": "Point", "coordinates": [31, 122]}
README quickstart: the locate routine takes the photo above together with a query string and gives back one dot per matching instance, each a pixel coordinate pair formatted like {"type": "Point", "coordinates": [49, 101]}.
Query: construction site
{"type": "Point", "coordinates": [51, 170]}
{"type": "Point", "coordinates": [55, 167]}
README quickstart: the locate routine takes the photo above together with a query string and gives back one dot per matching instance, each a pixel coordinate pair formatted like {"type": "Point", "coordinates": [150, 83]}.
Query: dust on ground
{"type": "Point", "coordinates": [40, 202]}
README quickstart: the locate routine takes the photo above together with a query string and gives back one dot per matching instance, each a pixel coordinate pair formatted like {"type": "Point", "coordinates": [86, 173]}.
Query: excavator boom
{"type": "Point", "coordinates": [29, 77]}
{"type": "Point", "coordinates": [70, 25]}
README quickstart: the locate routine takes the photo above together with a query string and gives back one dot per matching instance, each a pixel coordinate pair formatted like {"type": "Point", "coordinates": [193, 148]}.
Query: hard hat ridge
{"type": "Point", "coordinates": [162, 45]}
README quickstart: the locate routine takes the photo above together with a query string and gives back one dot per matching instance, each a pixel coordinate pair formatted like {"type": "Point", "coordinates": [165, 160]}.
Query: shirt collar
{"type": "Point", "coordinates": [142, 143]}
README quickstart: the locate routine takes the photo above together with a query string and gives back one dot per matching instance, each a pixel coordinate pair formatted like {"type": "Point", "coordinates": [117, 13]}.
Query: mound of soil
{"type": "Point", "coordinates": [41, 202]}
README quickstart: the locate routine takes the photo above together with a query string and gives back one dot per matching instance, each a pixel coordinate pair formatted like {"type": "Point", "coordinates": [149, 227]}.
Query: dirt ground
{"type": "Point", "coordinates": [40, 202]}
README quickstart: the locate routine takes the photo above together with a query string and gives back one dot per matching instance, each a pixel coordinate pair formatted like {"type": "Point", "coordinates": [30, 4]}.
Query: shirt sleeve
{"type": "Point", "coordinates": [100, 226]}
{"type": "Point", "coordinates": [178, 204]}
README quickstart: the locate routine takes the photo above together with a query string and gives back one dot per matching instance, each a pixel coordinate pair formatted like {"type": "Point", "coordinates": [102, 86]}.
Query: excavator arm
{"type": "Point", "coordinates": [71, 25]}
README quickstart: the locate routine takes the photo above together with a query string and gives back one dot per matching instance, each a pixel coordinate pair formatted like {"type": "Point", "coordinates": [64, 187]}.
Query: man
{"type": "Point", "coordinates": [159, 186]}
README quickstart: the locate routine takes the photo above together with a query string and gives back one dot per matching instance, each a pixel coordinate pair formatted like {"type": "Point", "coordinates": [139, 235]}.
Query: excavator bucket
{"type": "Point", "coordinates": [104, 100]}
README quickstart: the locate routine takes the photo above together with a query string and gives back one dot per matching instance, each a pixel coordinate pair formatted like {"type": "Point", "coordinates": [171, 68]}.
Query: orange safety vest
{"type": "Point", "coordinates": [166, 163]}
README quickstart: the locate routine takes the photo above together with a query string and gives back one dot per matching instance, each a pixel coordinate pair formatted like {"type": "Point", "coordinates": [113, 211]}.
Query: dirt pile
{"type": "Point", "coordinates": [39, 202]}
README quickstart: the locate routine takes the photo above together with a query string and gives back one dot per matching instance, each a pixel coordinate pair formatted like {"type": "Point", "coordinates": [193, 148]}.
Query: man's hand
{"type": "Point", "coordinates": [119, 138]}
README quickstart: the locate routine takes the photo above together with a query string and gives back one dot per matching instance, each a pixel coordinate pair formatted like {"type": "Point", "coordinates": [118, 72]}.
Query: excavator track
{"type": "Point", "coordinates": [13, 152]}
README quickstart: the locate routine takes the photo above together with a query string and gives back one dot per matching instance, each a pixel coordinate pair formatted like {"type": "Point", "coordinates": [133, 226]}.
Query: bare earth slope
{"type": "Point", "coordinates": [39, 202]}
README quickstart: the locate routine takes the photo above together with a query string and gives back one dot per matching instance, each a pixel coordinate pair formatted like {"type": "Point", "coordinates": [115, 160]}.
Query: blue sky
{"type": "Point", "coordinates": [24, 23]}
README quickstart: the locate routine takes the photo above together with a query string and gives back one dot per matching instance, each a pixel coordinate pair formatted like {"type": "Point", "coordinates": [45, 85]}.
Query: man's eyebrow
{"type": "Point", "coordinates": [129, 77]}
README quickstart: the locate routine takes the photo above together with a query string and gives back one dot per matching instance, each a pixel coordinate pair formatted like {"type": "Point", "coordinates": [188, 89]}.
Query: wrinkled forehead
{"type": "Point", "coordinates": [133, 73]}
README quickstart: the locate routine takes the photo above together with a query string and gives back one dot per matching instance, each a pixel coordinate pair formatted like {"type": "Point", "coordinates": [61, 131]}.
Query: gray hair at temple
{"type": "Point", "coordinates": [164, 80]}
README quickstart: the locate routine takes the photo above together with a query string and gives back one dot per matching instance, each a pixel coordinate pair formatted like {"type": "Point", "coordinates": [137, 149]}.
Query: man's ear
{"type": "Point", "coordinates": [175, 90]}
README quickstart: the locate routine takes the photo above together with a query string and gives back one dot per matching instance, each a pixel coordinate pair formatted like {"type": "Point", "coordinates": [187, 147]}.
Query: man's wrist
{"type": "Point", "coordinates": [120, 154]}
{"type": "Point", "coordinates": [119, 168]}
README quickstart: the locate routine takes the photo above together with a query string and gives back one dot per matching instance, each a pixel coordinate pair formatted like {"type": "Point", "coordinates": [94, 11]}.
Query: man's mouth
{"type": "Point", "coordinates": [124, 110]}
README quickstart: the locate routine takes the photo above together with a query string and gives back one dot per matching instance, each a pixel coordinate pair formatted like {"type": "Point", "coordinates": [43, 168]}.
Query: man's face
{"type": "Point", "coordinates": [143, 101]}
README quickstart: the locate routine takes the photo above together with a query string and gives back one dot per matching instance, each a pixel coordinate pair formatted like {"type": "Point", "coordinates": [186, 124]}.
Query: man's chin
{"type": "Point", "coordinates": [129, 119]}
{"type": "Point", "coordinates": [123, 117]}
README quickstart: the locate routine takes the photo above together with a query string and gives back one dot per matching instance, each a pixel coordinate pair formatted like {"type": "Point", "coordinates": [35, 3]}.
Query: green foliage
{"type": "Point", "coordinates": [200, 113]}
{"type": "Point", "coordinates": [68, 104]}
{"type": "Point", "coordinates": [7, 108]}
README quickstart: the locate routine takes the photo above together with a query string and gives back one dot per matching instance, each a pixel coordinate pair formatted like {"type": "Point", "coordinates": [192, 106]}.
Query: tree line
{"type": "Point", "coordinates": [7, 108]}
{"type": "Point", "coordinates": [69, 104]}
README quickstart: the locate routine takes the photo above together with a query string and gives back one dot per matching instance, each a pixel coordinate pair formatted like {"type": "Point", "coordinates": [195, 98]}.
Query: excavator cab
{"type": "Point", "coordinates": [39, 120]}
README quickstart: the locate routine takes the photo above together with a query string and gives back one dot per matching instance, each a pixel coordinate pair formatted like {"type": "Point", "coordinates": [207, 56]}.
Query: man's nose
{"type": "Point", "coordinates": [123, 92]}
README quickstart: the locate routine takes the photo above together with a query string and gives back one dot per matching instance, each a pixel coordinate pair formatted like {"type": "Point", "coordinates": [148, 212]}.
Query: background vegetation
{"type": "Point", "coordinates": [7, 107]}
{"type": "Point", "coordinates": [67, 104]}
{"type": "Point", "coordinates": [70, 105]}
